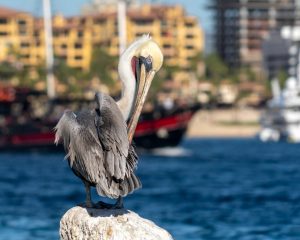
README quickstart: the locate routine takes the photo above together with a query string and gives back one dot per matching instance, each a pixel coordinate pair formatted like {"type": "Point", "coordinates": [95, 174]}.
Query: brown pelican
{"type": "Point", "coordinates": [97, 141]}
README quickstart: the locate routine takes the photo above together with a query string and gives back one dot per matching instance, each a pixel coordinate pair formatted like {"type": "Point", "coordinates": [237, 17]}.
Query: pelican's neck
{"type": "Point", "coordinates": [126, 103]}
{"type": "Point", "coordinates": [129, 85]}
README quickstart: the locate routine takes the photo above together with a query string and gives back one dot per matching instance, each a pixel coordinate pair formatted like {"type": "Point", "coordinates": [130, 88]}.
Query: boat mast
{"type": "Point", "coordinates": [298, 70]}
{"type": "Point", "coordinates": [49, 49]}
{"type": "Point", "coordinates": [122, 26]}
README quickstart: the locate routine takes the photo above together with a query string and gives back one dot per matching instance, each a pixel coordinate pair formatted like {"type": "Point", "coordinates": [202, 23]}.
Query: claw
{"type": "Point", "coordinates": [87, 205]}
{"type": "Point", "coordinates": [117, 205]}
{"type": "Point", "coordinates": [104, 205]}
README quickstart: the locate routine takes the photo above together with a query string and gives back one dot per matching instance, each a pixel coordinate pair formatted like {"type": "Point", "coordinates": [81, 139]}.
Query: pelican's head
{"type": "Point", "coordinates": [146, 61]}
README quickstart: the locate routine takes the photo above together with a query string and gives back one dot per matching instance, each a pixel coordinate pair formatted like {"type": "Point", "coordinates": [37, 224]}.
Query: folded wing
{"type": "Point", "coordinates": [98, 149]}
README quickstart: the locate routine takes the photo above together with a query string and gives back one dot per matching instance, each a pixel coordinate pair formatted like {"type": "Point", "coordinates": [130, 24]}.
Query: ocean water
{"type": "Point", "coordinates": [239, 189]}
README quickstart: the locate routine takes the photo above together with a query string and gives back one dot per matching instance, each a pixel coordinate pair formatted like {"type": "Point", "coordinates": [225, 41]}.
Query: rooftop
{"type": "Point", "coordinates": [7, 12]}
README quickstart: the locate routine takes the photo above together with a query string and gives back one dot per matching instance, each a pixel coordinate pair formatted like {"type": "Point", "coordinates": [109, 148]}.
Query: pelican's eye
{"type": "Point", "coordinates": [147, 62]}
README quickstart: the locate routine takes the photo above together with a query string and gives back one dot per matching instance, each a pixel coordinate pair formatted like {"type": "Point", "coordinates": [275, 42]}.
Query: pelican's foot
{"type": "Point", "coordinates": [118, 205]}
{"type": "Point", "coordinates": [92, 205]}
{"type": "Point", "coordinates": [104, 205]}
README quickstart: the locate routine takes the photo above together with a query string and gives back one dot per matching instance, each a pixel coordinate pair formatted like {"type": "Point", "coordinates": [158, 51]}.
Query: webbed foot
{"type": "Point", "coordinates": [104, 205]}
{"type": "Point", "coordinates": [87, 205]}
{"type": "Point", "coordinates": [118, 205]}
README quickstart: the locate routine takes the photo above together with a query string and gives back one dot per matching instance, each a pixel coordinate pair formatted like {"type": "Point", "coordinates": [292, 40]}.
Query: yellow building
{"type": "Point", "coordinates": [74, 39]}
{"type": "Point", "coordinates": [16, 29]}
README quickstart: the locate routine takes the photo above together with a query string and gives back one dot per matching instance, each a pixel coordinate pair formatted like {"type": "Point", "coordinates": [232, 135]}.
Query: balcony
{"type": "Point", "coordinates": [78, 52]}
{"type": "Point", "coordinates": [4, 33]}
{"type": "Point", "coordinates": [5, 28]}
{"type": "Point", "coordinates": [191, 42]}
{"type": "Point", "coordinates": [167, 40]}
{"type": "Point", "coordinates": [143, 29]}
{"type": "Point", "coordinates": [191, 31]}
{"type": "Point", "coordinates": [169, 52]}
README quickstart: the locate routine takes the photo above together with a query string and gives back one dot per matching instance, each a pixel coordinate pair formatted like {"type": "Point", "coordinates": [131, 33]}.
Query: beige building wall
{"type": "Point", "coordinates": [74, 39]}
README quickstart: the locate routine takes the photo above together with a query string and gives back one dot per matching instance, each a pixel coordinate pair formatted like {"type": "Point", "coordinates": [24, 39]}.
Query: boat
{"type": "Point", "coordinates": [27, 117]}
{"type": "Point", "coordinates": [24, 125]}
{"type": "Point", "coordinates": [281, 118]}
{"type": "Point", "coordinates": [164, 128]}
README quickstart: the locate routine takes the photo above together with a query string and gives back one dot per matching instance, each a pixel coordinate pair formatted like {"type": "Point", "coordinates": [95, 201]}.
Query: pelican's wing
{"type": "Point", "coordinates": [101, 136]}
{"type": "Point", "coordinates": [79, 137]}
{"type": "Point", "coordinates": [112, 133]}
{"type": "Point", "coordinates": [98, 149]}
{"type": "Point", "coordinates": [120, 158]}
{"type": "Point", "coordinates": [64, 127]}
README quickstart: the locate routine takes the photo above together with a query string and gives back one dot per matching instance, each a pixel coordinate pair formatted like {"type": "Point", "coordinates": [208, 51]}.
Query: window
{"type": "Point", "coordinates": [164, 23]}
{"type": "Point", "coordinates": [64, 46]}
{"type": "Point", "coordinates": [3, 33]}
{"type": "Point", "coordinates": [22, 32]}
{"type": "Point", "coordinates": [189, 25]}
{"type": "Point", "coordinates": [21, 22]}
{"type": "Point", "coordinates": [80, 34]}
{"type": "Point", "coordinates": [231, 13]}
{"type": "Point", "coordinates": [24, 44]}
{"type": "Point", "coordinates": [62, 57]}
{"type": "Point", "coordinates": [99, 21]}
{"type": "Point", "coordinates": [25, 56]}
{"type": "Point", "coordinates": [58, 33]}
{"type": "Point", "coordinates": [189, 47]}
{"type": "Point", "coordinates": [77, 57]}
{"type": "Point", "coordinates": [3, 21]}
{"type": "Point", "coordinates": [143, 22]}
{"type": "Point", "coordinates": [78, 45]}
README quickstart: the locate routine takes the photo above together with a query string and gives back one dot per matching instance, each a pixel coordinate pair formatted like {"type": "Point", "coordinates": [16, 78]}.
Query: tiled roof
{"type": "Point", "coordinates": [7, 12]}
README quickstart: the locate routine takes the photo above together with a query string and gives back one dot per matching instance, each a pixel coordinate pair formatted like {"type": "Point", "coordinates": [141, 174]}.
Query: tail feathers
{"type": "Point", "coordinates": [130, 184]}
{"type": "Point", "coordinates": [132, 159]}
{"type": "Point", "coordinates": [116, 189]}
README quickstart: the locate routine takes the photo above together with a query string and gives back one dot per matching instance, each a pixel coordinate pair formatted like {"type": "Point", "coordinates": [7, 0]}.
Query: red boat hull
{"type": "Point", "coordinates": [153, 133]}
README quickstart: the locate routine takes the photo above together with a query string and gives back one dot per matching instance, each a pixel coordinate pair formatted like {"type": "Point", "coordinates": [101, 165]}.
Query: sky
{"type": "Point", "coordinates": [73, 7]}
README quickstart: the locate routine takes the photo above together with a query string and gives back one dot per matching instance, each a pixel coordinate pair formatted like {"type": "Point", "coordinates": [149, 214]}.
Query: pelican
{"type": "Point", "coordinates": [98, 141]}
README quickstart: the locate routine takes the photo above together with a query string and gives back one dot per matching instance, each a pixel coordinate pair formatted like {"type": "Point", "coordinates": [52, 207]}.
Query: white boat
{"type": "Point", "coordinates": [281, 118]}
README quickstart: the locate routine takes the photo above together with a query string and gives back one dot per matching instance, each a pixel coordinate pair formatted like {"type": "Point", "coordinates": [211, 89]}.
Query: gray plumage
{"type": "Point", "coordinates": [98, 149]}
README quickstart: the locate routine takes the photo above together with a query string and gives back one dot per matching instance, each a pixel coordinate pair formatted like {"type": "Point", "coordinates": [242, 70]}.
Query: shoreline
{"type": "Point", "coordinates": [225, 123]}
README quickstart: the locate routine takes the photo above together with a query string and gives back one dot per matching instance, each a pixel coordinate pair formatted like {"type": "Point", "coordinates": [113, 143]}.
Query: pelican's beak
{"type": "Point", "coordinates": [150, 60]}
{"type": "Point", "coordinates": [146, 75]}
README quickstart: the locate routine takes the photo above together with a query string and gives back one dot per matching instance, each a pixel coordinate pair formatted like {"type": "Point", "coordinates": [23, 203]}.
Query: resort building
{"type": "Point", "coordinates": [242, 25]}
{"type": "Point", "coordinates": [16, 33]}
{"type": "Point", "coordinates": [74, 38]}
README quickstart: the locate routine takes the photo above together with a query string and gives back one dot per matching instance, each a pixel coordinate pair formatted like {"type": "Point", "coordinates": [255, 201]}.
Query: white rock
{"type": "Point", "coordinates": [120, 224]}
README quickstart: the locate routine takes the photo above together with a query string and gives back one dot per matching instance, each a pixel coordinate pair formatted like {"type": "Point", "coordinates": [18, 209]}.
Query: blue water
{"type": "Point", "coordinates": [224, 189]}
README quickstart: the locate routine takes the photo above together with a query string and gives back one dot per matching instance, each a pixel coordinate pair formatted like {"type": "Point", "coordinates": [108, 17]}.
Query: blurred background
{"type": "Point", "coordinates": [218, 135]}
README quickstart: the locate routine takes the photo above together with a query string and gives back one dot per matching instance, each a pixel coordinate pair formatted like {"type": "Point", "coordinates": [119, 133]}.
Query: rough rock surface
{"type": "Point", "coordinates": [120, 224]}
